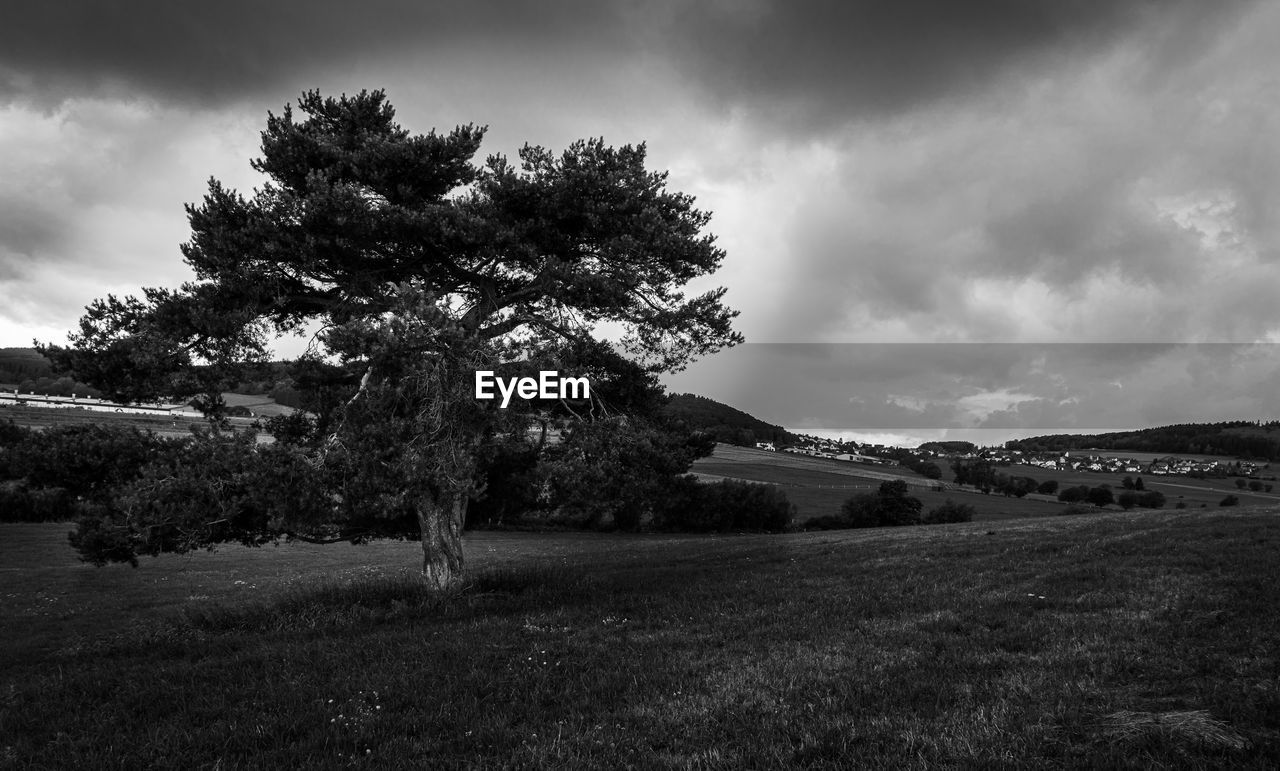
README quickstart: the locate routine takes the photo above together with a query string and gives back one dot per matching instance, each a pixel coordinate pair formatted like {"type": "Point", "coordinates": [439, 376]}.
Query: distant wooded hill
{"type": "Point", "coordinates": [949, 447]}
{"type": "Point", "coordinates": [727, 424]}
{"type": "Point", "coordinates": [1239, 438]}
{"type": "Point", "coordinates": [19, 364]}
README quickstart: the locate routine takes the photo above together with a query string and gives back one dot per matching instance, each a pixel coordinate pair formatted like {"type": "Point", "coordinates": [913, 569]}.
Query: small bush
{"type": "Point", "coordinates": [1100, 495]}
{"type": "Point", "coordinates": [1230, 500]}
{"type": "Point", "coordinates": [11, 433]}
{"type": "Point", "coordinates": [1073, 494]}
{"type": "Point", "coordinates": [827, 522]}
{"type": "Point", "coordinates": [950, 511]}
{"type": "Point", "coordinates": [1151, 499]}
{"type": "Point", "coordinates": [19, 503]}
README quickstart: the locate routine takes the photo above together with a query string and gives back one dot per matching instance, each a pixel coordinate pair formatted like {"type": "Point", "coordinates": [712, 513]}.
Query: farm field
{"type": "Point", "coordinates": [1190, 490]}
{"type": "Point", "coordinates": [263, 406]}
{"type": "Point", "coordinates": [818, 486]}
{"type": "Point", "coordinates": [1112, 640]}
{"type": "Point", "coordinates": [44, 417]}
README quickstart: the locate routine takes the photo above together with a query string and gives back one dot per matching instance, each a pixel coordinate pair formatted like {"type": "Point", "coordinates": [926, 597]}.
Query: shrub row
{"type": "Point", "coordinates": [890, 506]}
{"type": "Point", "coordinates": [725, 506]}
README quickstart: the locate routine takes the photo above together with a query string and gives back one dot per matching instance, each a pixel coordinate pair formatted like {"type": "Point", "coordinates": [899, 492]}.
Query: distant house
{"type": "Point", "coordinates": [766, 446]}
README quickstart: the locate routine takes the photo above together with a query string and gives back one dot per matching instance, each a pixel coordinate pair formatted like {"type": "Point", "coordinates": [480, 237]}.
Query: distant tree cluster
{"type": "Point", "coordinates": [18, 365]}
{"type": "Point", "coordinates": [1149, 499]}
{"type": "Point", "coordinates": [921, 465]}
{"type": "Point", "coordinates": [953, 447]}
{"type": "Point", "coordinates": [60, 386]}
{"type": "Point", "coordinates": [984, 476]}
{"type": "Point", "coordinates": [1104, 495]}
{"type": "Point", "coordinates": [890, 506]}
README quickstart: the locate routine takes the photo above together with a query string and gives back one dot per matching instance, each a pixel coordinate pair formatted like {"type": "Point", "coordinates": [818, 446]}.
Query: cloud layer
{"type": "Point", "coordinates": [1018, 171]}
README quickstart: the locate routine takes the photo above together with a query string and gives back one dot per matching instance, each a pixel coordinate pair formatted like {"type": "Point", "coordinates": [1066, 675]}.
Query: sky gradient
{"type": "Point", "coordinates": [1093, 186]}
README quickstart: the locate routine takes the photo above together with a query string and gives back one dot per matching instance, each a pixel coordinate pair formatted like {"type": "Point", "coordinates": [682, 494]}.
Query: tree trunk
{"type": "Point", "coordinates": [440, 520]}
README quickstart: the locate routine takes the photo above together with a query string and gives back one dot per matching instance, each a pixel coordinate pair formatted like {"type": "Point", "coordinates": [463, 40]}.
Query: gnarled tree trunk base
{"type": "Point", "coordinates": [441, 525]}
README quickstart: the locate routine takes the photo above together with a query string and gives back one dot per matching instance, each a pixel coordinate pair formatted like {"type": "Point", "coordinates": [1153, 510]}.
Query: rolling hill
{"type": "Point", "coordinates": [727, 424]}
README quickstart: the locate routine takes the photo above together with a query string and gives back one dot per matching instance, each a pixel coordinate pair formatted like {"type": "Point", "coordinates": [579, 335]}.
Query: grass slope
{"type": "Point", "coordinates": [1110, 640]}
{"type": "Point", "coordinates": [818, 486]}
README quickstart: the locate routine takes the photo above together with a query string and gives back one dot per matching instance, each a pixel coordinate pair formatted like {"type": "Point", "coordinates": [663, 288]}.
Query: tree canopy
{"type": "Point", "coordinates": [416, 267]}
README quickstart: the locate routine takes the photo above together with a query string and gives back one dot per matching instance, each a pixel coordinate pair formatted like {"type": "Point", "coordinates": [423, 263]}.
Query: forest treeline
{"type": "Point", "coordinates": [1239, 438]}
{"type": "Point", "coordinates": [725, 423]}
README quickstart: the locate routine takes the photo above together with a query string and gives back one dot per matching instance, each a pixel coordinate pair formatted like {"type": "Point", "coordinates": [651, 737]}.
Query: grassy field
{"type": "Point", "coordinates": [1190, 490]}
{"type": "Point", "coordinates": [1110, 640]}
{"type": "Point", "coordinates": [818, 486]}
{"type": "Point", "coordinates": [44, 417]}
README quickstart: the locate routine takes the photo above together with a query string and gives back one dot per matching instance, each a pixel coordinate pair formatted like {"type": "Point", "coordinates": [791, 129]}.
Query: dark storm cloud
{"type": "Point", "coordinates": [803, 63]}
{"type": "Point", "coordinates": [815, 62]}
{"type": "Point", "coordinates": [215, 52]}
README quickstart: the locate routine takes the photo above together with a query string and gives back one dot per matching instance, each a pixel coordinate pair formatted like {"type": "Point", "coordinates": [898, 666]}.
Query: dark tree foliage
{"type": "Point", "coordinates": [1230, 500]}
{"type": "Point", "coordinates": [418, 268]}
{"type": "Point", "coordinates": [889, 506]}
{"type": "Point", "coordinates": [950, 447]}
{"type": "Point", "coordinates": [980, 474]}
{"type": "Point", "coordinates": [87, 461]}
{"type": "Point", "coordinates": [929, 470]}
{"type": "Point", "coordinates": [615, 473]}
{"type": "Point", "coordinates": [1073, 494]}
{"type": "Point", "coordinates": [1047, 487]}
{"type": "Point", "coordinates": [1100, 495]}
{"type": "Point", "coordinates": [949, 511]}
{"type": "Point", "coordinates": [1017, 486]}
{"type": "Point", "coordinates": [60, 386]}
{"type": "Point", "coordinates": [724, 506]}
{"type": "Point", "coordinates": [18, 364]}
{"type": "Point", "coordinates": [10, 434]}
{"type": "Point", "coordinates": [222, 489]}
{"type": "Point", "coordinates": [1151, 499]}
{"type": "Point", "coordinates": [68, 472]}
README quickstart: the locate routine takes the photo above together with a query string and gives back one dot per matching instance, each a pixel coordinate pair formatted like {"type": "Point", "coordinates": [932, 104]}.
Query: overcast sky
{"type": "Point", "coordinates": [1064, 176]}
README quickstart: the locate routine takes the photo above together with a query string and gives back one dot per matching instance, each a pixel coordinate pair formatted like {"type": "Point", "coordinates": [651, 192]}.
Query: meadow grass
{"type": "Point", "coordinates": [1140, 640]}
{"type": "Point", "coordinates": [818, 486]}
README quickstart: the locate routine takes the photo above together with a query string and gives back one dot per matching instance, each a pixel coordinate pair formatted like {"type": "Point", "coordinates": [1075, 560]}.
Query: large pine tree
{"type": "Point", "coordinates": [418, 267]}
